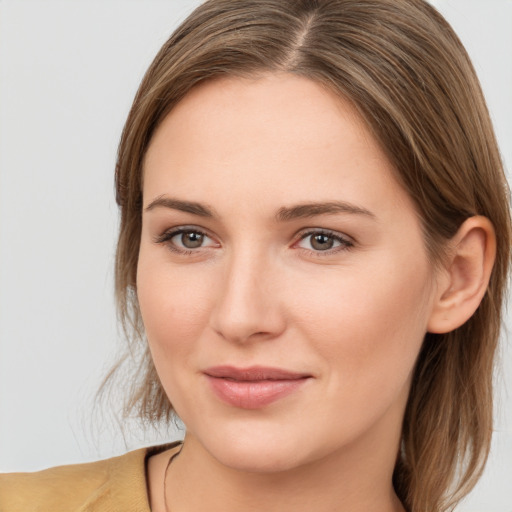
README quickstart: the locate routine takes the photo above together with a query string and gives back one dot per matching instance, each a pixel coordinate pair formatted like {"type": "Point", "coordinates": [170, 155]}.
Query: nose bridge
{"type": "Point", "coordinates": [247, 302]}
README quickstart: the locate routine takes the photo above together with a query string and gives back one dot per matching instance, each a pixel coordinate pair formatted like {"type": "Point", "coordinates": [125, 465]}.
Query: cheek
{"type": "Point", "coordinates": [175, 312]}
{"type": "Point", "coordinates": [369, 324]}
{"type": "Point", "coordinates": [174, 307]}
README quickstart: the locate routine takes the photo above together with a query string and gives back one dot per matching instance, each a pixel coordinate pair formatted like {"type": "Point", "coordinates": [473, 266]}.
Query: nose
{"type": "Point", "coordinates": [248, 306]}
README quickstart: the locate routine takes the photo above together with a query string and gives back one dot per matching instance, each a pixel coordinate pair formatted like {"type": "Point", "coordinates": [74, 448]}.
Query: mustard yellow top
{"type": "Point", "coordinates": [113, 485]}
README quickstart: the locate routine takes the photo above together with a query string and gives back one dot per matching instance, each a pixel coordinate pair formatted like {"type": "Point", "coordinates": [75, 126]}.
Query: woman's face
{"type": "Point", "coordinates": [282, 278]}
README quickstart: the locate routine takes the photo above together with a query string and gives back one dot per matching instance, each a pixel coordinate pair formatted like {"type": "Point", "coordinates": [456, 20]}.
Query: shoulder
{"type": "Point", "coordinates": [118, 483]}
{"type": "Point", "coordinates": [59, 488]}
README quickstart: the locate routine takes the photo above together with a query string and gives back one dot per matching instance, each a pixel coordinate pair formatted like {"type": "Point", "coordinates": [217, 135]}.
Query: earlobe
{"type": "Point", "coordinates": [467, 272]}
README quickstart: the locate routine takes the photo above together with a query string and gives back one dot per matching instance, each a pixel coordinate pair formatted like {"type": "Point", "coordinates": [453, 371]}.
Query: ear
{"type": "Point", "coordinates": [463, 281]}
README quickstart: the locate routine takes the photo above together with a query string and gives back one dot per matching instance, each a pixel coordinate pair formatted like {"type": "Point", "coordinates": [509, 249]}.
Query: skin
{"type": "Point", "coordinates": [259, 291]}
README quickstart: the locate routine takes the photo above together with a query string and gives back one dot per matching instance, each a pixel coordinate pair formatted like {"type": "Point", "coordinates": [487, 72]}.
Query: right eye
{"type": "Point", "coordinates": [185, 240]}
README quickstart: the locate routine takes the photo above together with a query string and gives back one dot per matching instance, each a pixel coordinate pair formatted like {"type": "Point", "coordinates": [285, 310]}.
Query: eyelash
{"type": "Point", "coordinates": [165, 239]}
{"type": "Point", "coordinates": [345, 243]}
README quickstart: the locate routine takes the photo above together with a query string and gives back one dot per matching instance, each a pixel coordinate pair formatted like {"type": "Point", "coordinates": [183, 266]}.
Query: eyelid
{"type": "Point", "coordinates": [166, 236]}
{"type": "Point", "coordinates": [346, 242]}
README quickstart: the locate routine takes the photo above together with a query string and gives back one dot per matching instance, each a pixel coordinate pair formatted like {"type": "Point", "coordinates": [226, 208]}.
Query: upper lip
{"type": "Point", "coordinates": [254, 373]}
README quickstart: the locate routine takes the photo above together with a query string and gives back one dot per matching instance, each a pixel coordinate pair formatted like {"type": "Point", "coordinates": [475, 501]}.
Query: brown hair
{"type": "Point", "coordinates": [404, 69]}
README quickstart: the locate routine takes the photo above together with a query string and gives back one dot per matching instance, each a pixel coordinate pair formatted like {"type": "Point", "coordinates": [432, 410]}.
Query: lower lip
{"type": "Point", "coordinates": [253, 394]}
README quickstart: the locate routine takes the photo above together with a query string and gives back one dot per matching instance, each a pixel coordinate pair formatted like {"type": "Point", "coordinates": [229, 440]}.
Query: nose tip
{"type": "Point", "coordinates": [248, 307]}
{"type": "Point", "coordinates": [240, 331]}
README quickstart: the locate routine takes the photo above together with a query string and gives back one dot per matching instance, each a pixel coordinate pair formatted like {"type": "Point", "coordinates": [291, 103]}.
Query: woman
{"type": "Point", "coordinates": [315, 241]}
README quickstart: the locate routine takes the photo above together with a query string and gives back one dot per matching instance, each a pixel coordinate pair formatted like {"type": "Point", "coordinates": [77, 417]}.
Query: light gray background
{"type": "Point", "coordinates": [68, 73]}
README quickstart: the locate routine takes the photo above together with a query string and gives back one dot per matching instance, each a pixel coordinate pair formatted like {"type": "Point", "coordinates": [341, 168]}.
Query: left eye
{"type": "Point", "coordinates": [319, 241]}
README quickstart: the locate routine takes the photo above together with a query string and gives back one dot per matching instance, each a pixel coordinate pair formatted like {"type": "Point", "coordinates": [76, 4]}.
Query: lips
{"type": "Point", "coordinates": [254, 387]}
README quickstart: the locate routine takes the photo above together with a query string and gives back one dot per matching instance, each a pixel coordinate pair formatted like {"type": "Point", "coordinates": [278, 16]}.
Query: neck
{"type": "Point", "coordinates": [349, 480]}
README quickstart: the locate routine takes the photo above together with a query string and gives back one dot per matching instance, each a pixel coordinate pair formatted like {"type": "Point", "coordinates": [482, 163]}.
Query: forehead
{"type": "Point", "coordinates": [271, 106]}
{"type": "Point", "coordinates": [276, 136]}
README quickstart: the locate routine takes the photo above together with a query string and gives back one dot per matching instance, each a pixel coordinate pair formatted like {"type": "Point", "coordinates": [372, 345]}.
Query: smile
{"type": "Point", "coordinates": [255, 387]}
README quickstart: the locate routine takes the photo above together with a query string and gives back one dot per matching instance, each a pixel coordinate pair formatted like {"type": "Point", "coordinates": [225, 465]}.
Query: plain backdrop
{"type": "Point", "coordinates": [68, 73]}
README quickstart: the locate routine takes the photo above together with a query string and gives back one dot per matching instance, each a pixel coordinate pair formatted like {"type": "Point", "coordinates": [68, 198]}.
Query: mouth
{"type": "Point", "coordinates": [254, 387]}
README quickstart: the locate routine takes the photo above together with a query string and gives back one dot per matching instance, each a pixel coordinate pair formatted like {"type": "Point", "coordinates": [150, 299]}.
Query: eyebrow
{"type": "Point", "coordinates": [306, 210]}
{"type": "Point", "coordinates": [284, 214]}
{"type": "Point", "coordinates": [184, 206]}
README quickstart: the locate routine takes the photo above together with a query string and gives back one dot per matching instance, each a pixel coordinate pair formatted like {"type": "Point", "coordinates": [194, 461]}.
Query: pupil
{"type": "Point", "coordinates": [322, 242]}
{"type": "Point", "coordinates": [191, 240]}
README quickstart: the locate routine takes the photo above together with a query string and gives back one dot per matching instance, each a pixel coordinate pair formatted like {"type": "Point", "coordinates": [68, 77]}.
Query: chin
{"type": "Point", "coordinates": [259, 450]}
{"type": "Point", "coordinates": [257, 459]}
